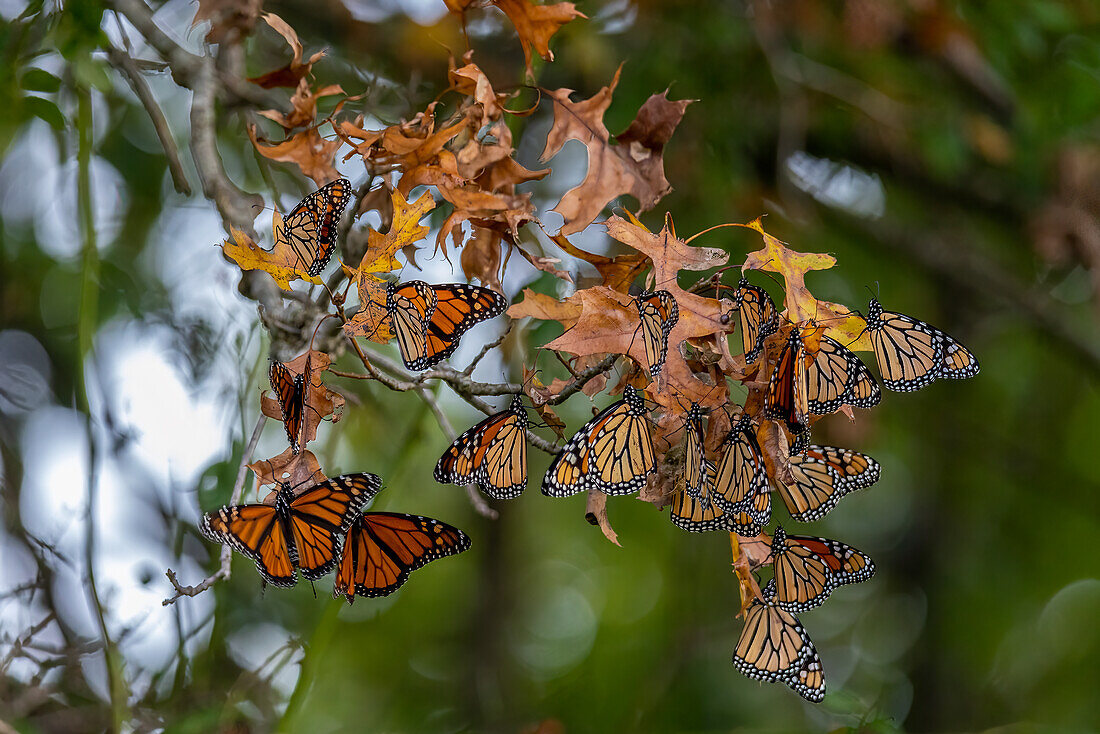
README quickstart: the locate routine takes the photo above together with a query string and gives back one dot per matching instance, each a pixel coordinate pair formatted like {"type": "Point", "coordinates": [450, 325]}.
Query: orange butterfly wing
{"type": "Point", "coordinates": [320, 515]}
{"type": "Point", "coordinates": [310, 228]}
{"type": "Point", "coordinates": [493, 454]}
{"type": "Point", "coordinates": [383, 548]}
{"type": "Point", "coordinates": [290, 392]}
{"type": "Point", "coordinates": [458, 307]}
{"type": "Point", "coordinates": [258, 532]}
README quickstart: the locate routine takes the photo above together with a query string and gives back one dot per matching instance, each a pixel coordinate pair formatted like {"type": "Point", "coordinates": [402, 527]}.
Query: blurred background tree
{"type": "Point", "coordinates": [946, 153]}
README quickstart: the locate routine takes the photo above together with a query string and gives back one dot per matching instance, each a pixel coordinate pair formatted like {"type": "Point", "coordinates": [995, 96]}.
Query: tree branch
{"type": "Point", "coordinates": [226, 560]}
{"type": "Point", "coordinates": [126, 66]}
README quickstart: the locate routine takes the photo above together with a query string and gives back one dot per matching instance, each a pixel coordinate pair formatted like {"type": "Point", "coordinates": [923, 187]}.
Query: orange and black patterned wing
{"type": "Point", "coordinates": [698, 514]}
{"type": "Point", "coordinates": [695, 476]}
{"type": "Point", "coordinates": [848, 565]}
{"type": "Point", "coordinates": [837, 377]}
{"type": "Point", "coordinates": [759, 318]}
{"type": "Point", "coordinates": [785, 398]}
{"type": "Point", "coordinates": [457, 308]}
{"type": "Point", "coordinates": [492, 454]}
{"type": "Point", "coordinates": [383, 548]}
{"type": "Point", "coordinates": [613, 452]}
{"type": "Point", "coordinates": [912, 354]}
{"type": "Point", "coordinates": [821, 476]}
{"type": "Point", "coordinates": [410, 307]}
{"type": "Point", "coordinates": [741, 481]}
{"type": "Point", "coordinates": [321, 514]}
{"type": "Point", "coordinates": [258, 532]}
{"type": "Point", "coordinates": [774, 647]}
{"type": "Point", "coordinates": [289, 392]}
{"type": "Point", "coordinates": [658, 314]}
{"type": "Point", "coordinates": [310, 228]}
{"type": "Point", "coordinates": [803, 580]}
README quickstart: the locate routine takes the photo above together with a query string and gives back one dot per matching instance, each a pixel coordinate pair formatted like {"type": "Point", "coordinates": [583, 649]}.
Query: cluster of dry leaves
{"type": "Point", "coordinates": [461, 156]}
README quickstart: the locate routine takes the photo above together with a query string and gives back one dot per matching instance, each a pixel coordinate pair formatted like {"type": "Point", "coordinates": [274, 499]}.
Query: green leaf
{"type": "Point", "coordinates": [92, 73]}
{"type": "Point", "coordinates": [40, 80]}
{"type": "Point", "coordinates": [46, 110]}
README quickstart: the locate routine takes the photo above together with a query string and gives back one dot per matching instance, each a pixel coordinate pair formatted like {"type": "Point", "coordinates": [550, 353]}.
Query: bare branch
{"type": "Point", "coordinates": [226, 560]}
{"type": "Point", "coordinates": [583, 379]}
{"type": "Point", "coordinates": [126, 66]}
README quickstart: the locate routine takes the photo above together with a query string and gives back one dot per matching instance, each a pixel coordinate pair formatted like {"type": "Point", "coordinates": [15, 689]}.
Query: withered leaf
{"type": "Point", "coordinates": [308, 150]}
{"type": "Point", "coordinates": [596, 511]}
{"type": "Point", "coordinates": [635, 167]}
{"type": "Point", "coordinates": [405, 229]}
{"type": "Point", "coordinates": [303, 105]}
{"type": "Point", "coordinates": [840, 323]}
{"type": "Point", "coordinates": [372, 319]}
{"type": "Point", "coordinates": [545, 308]}
{"type": "Point", "coordinates": [294, 469]}
{"type": "Point", "coordinates": [293, 73]}
{"type": "Point", "coordinates": [535, 24]}
{"type": "Point", "coordinates": [618, 272]}
{"type": "Point", "coordinates": [227, 16]}
{"type": "Point", "coordinates": [481, 258]}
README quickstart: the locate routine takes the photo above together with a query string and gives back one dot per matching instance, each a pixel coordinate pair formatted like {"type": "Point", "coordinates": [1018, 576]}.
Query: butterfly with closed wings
{"type": "Point", "coordinates": [912, 354]}
{"type": "Point", "coordinates": [658, 313]}
{"type": "Point", "coordinates": [492, 454]}
{"type": "Point", "coordinates": [291, 392]}
{"type": "Point", "coordinates": [807, 569]}
{"type": "Point", "coordinates": [613, 452]}
{"type": "Point", "coordinates": [310, 228]}
{"type": "Point", "coordinates": [775, 648]}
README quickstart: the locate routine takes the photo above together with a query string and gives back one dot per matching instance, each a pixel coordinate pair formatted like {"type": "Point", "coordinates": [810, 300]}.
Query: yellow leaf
{"type": "Point", "coordinates": [281, 262]}
{"type": "Point", "coordinates": [840, 323]}
{"type": "Point", "coordinates": [372, 319]}
{"type": "Point", "coordinates": [405, 230]}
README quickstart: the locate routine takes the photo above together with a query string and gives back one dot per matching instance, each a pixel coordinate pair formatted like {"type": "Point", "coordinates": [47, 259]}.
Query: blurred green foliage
{"type": "Point", "coordinates": [980, 122]}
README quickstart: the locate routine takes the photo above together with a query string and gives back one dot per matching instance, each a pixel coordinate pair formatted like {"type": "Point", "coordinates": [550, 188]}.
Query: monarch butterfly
{"type": "Point", "coordinates": [493, 454]}
{"type": "Point", "coordinates": [658, 313]}
{"type": "Point", "coordinates": [912, 354]}
{"type": "Point", "coordinates": [695, 459]}
{"type": "Point", "coordinates": [299, 531]}
{"type": "Point", "coordinates": [807, 569]}
{"type": "Point", "coordinates": [310, 228]}
{"type": "Point", "coordinates": [817, 383]}
{"type": "Point", "coordinates": [613, 452]}
{"type": "Point", "coordinates": [701, 514]}
{"type": "Point", "coordinates": [290, 392]}
{"type": "Point", "coordinates": [837, 377]}
{"type": "Point", "coordinates": [759, 318]}
{"type": "Point", "coordinates": [383, 548]}
{"type": "Point", "coordinates": [741, 481]}
{"type": "Point", "coordinates": [775, 648]}
{"type": "Point", "coordinates": [786, 398]}
{"type": "Point", "coordinates": [430, 319]}
{"type": "Point", "coordinates": [821, 475]}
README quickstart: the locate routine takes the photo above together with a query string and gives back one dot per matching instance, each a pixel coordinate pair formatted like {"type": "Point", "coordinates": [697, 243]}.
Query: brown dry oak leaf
{"type": "Point", "coordinates": [839, 321]}
{"type": "Point", "coordinates": [308, 150]}
{"type": "Point", "coordinates": [635, 166]}
{"type": "Point", "coordinates": [618, 272]}
{"type": "Point", "coordinates": [536, 24]}
{"type": "Point", "coordinates": [595, 512]}
{"type": "Point", "coordinates": [281, 262]}
{"type": "Point", "coordinates": [294, 469]}
{"type": "Point", "coordinates": [303, 105]}
{"type": "Point", "coordinates": [545, 308]}
{"type": "Point", "coordinates": [481, 258]}
{"type": "Point", "coordinates": [293, 73]}
{"type": "Point", "coordinates": [372, 319]}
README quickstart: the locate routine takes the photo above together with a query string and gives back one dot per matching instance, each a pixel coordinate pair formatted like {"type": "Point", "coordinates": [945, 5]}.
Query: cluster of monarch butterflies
{"type": "Point", "coordinates": [731, 492]}
{"type": "Point", "coordinates": [321, 526]}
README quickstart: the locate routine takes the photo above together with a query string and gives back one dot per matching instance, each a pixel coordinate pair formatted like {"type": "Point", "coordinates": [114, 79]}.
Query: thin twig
{"type": "Point", "coordinates": [226, 563]}
{"type": "Point", "coordinates": [583, 378]}
{"type": "Point", "coordinates": [480, 505]}
{"type": "Point", "coordinates": [486, 349]}
{"type": "Point", "coordinates": [126, 66]}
